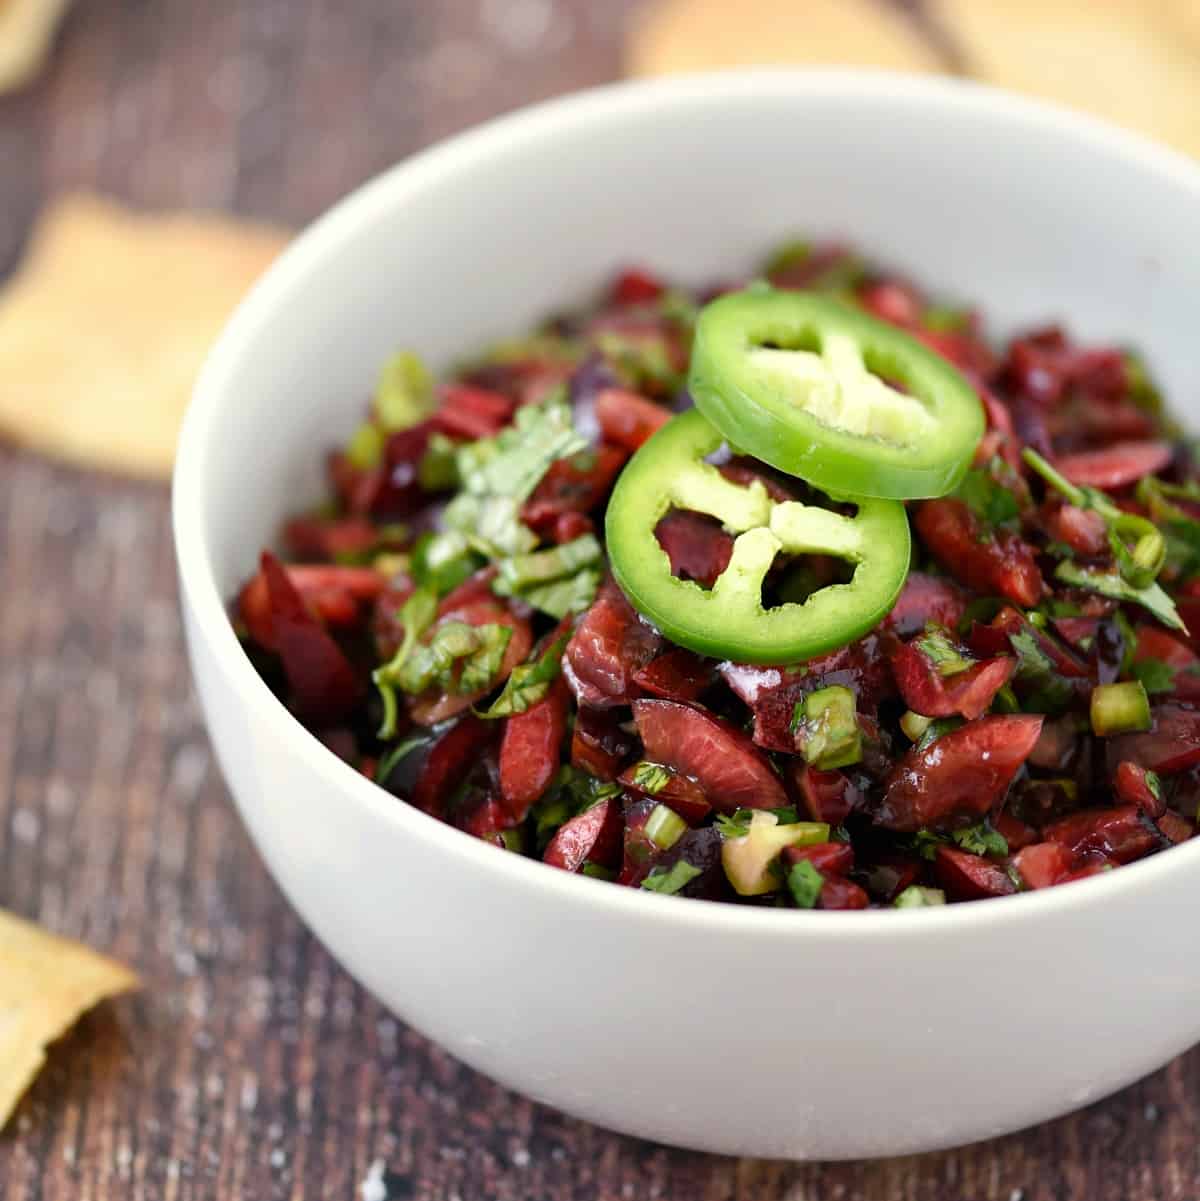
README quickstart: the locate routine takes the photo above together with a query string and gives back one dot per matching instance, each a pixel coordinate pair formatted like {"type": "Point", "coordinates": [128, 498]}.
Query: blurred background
{"type": "Point", "coordinates": [249, 1066]}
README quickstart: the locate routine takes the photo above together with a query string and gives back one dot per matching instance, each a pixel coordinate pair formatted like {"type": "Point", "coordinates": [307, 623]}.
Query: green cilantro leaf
{"type": "Point", "coordinates": [805, 883]}
{"type": "Point", "coordinates": [989, 500]}
{"type": "Point", "coordinates": [416, 615]}
{"type": "Point", "coordinates": [670, 880]}
{"type": "Point", "coordinates": [925, 843]}
{"type": "Point", "coordinates": [513, 462]}
{"type": "Point", "coordinates": [573, 792]}
{"type": "Point", "coordinates": [651, 778]}
{"type": "Point", "coordinates": [939, 648]}
{"type": "Point", "coordinates": [498, 475]}
{"type": "Point", "coordinates": [529, 682]}
{"type": "Point", "coordinates": [558, 581]}
{"type": "Point", "coordinates": [443, 561]}
{"type": "Point", "coordinates": [981, 840]}
{"type": "Point", "coordinates": [1155, 675]}
{"type": "Point", "coordinates": [1108, 583]}
{"type": "Point", "coordinates": [734, 825]}
{"type": "Point", "coordinates": [1045, 691]}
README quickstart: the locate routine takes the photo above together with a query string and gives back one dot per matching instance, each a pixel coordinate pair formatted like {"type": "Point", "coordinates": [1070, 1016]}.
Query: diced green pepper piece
{"type": "Point", "coordinates": [365, 448]}
{"type": "Point", "coordinates": [1120, 708]}
{"type": "Point", "coordinates": [826, 725]}
{"type": "Point", "coordinates": [914, 725]}
{"type": "Point", "coordinates": [404, 397]}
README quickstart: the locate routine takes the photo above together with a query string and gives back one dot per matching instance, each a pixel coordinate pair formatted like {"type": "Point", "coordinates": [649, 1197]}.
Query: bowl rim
{"type": "Point", "coordinates": [620, 101]}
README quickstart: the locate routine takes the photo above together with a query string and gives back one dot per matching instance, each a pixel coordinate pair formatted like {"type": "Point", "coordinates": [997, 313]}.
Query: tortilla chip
{"type": "Point", "coordinates": [697, 35]}
{"type": "Point", "coordinates": [27, 29]}
{"type": "Point", "coordinates": [107, 322]}
{"type": "Point", "coordinates": [46, 984]}
{"type": "Point", "coordinates": [1132, 62]}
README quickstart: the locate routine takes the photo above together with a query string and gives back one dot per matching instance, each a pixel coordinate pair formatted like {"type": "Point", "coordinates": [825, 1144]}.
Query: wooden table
{"type": "Point", "coordinates": [252, 1067]}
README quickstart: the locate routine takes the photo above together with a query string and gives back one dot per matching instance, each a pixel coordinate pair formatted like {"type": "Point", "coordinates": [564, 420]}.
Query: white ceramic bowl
{"type": "Point", "coordinates": [747, 1031]}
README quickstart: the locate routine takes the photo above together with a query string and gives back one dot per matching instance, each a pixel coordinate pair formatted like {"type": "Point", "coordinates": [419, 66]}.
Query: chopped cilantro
{"type": "Point", "coordinates": [573, 792]}
{"type": "Point", "coordinates": [981, 840]}
{"type": "Point", "coordinates": [1045, 691]}
{"type": "Point", "coordinates": [1155, 675]}
{"type": "Point", "coordinates": [651, 778]}
{"type": "Point", "coordinates": [529, 682]}
{"type": "Point", "coordinates": [938, 647]}
{"type": "Point", "coordinates": [477, 650]}
{"type": "Point", "coordinates": [416, 615]}
{"type": "Point", "coordinates": [443, 561]}
{"type": "Point", "coordinates": [734, 825]}
{"type": "Point", "coordinates": [989, 500]}
{"type": "Point", "coordinates": [925, 843]}
{"type": "Point", "coordinates": [499, 473]}
{"type": "Point", "coordinates": [805, 883]}
{"type": "Point", "coordinates": [1109, 583]}
{"type": "Point", "coordinates": [670, 880]}
{"type": "Point", "coordinates": [557, 581]}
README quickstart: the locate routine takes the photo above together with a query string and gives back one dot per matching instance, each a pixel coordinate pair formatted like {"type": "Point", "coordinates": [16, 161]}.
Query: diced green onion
{"type": "Point", "coordinates": [670, 880]}
{"type": "Point", "coordinates": [915, 896]}
{"type": "Point", "coordinates": [826, 727]}
{"type": "Point", "coordinates": [914, 725]}
{"type": "Point", "coordinates": [664, 827]}
{"type": "Point", "coordinates": [598, 871]}
{"type": "Point", "coordinates": [1120, 708]}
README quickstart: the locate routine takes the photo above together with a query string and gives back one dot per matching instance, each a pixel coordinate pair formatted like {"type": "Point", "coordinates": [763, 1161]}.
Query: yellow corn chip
{"type": "Point", "coordinates": [105, 326]}
{"type": "Point", "coordinates": [696, 35]}
{"type": "Point", "coordinates": [46, 984]}
{"type": "Point", "coordinates": [27, 29]}
{"type": "Point", "coordinates": [1134, 62]}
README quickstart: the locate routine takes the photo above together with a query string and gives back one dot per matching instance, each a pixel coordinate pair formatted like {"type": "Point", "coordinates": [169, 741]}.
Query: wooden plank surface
{"type": "Point", "coordinates": [252, 1067]}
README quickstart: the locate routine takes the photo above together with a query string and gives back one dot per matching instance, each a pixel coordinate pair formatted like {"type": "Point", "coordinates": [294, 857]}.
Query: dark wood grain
{"type": "Point", "coordinates": [252, 1067]}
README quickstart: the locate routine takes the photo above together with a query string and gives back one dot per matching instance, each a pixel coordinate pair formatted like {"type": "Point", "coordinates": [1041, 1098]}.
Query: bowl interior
{"type": "Point", "coordinates": [1032, 213]}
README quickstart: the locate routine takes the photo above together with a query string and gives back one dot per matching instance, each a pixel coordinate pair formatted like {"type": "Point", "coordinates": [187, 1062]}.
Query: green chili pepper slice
{"type": "Point", "coordinates": [801, 381]}
{"type": "Point", "coordinates": [729, 621]}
